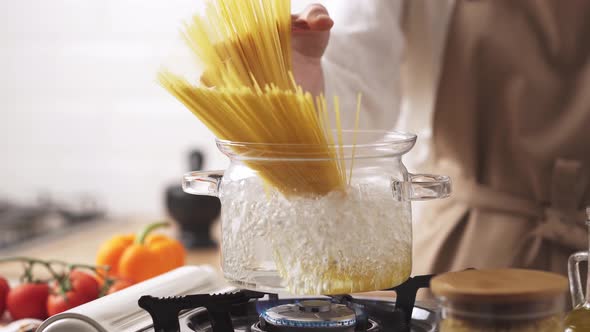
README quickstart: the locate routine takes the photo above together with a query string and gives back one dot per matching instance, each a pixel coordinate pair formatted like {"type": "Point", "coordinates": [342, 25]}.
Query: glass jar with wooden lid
{"type": "Point", "coordinates": [503, 300]}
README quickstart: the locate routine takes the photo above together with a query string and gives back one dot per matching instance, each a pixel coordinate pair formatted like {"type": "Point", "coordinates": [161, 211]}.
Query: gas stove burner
{"type": "Point", "coordinates": [248, 311]}
{"type": "Point", "coordinates": [307, 314]}
{"type": "Point", "coordinates": [373, 327]}
{"type": "Point", "coordinates": [310, 315]}
{"type": "Point", "coordinates": [380, 316]}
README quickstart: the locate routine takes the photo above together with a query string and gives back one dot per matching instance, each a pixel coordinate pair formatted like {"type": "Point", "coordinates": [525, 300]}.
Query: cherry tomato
{"type": "Point", "coordinates": [28, 301]}
{"type": "Point", "coordinates": [119, 285]}
{"type": "Point", "coordinates": [4, 289]}
{"type": "Point", "coordinates": [84, 288]}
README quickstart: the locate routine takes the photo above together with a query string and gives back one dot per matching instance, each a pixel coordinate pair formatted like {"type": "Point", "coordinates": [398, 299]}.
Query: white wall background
{"type": "Point", "coordinates": [80, 111]}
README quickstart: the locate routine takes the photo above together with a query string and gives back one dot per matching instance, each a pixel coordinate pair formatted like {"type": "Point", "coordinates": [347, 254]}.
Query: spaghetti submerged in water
{"type": "Point", "coordinates": [248, 94]}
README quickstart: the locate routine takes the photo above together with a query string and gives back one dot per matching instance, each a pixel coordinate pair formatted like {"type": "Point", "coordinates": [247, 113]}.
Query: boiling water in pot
{"type": "Point", "coordinates": [334, 244]}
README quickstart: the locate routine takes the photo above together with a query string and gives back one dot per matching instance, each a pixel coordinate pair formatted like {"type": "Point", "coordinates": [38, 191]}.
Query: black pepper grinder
{"type": "Point", "coordinates": [193, 213]}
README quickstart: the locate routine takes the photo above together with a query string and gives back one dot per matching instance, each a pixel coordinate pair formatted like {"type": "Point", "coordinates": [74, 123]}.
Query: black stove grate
{"type": "Point", "coordinates": [165, 311]}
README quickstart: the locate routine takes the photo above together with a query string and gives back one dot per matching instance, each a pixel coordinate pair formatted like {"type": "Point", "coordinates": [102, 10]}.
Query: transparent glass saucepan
{"type": "Point", "coordinates": [579, 318]}
{"type": "Point", "coordinates": [278, 236]}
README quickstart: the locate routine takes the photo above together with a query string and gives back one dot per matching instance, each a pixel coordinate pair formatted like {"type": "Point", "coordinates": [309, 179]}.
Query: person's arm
{"type": "Point", "coordinates": [364, 55]}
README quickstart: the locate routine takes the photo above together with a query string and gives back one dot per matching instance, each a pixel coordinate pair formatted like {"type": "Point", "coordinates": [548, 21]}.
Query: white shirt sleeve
{"type": "Point", "coordinates": [426, 30]}
{"type": "Point", "coordinates": [364, 56]}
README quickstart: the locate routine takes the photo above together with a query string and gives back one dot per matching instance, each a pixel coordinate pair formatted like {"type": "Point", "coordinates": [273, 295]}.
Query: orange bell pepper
{"type": "Point", "coordinates": [141, 257]}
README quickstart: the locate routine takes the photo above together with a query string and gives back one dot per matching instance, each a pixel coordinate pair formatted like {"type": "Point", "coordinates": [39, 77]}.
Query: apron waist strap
{"type": "Point", "coordinates": [559, 222]}
{"type": "Point", "coordinates": [558, 226]}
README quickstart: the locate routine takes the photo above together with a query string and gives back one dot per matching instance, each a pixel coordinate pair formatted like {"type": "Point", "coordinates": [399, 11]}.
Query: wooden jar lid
{"type": "Point", "coordinates": [499, 286]}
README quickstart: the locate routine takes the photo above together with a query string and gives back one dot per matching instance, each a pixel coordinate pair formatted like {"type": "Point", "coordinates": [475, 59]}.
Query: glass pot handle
{"type": "Point", "coordinates": [573, 267]}
{"type": "Point", "coordinates": [202, 183]}
{"type": "Point", "coordinates": [422, 187]}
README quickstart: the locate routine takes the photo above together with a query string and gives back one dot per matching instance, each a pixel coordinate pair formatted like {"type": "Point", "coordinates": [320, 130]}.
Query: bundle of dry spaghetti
{"type": "Point", "coordinates": [248, 94]}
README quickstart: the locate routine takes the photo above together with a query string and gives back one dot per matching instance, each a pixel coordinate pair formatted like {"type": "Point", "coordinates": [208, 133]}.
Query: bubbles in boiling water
{"type": "Point", "coordinates": [339, 243]}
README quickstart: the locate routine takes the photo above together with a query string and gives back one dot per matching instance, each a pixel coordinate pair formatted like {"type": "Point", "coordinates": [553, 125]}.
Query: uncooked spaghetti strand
{"type": "Point", "coordinates": [354, 135]}
{"type": "Point", "coordinates": [339, 133]}
{"type": "Point", "coordinates": [323, 109]}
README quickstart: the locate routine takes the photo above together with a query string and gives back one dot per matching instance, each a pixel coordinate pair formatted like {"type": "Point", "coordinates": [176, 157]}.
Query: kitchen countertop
{"type": "Point", "coordinates": [79, 244]}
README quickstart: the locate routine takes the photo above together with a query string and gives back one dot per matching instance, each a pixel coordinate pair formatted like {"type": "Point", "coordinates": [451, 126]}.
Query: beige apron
{"type": "Point", "coordinates": [512, 129]}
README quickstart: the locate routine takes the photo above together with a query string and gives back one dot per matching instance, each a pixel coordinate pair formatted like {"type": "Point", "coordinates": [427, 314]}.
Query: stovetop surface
{"type": "Point", "coordinates": [381, 311]}
{"type": "Point", "coordinates": [246, 310]}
